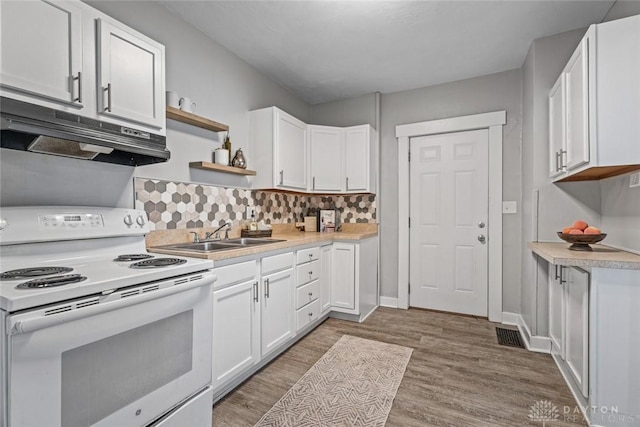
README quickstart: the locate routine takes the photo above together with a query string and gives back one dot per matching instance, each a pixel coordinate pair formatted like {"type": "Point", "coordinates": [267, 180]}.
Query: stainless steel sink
{"type": "Point", "coordinates": [221, 245]}
{"type": "Point", "coordinates": [251, 241]}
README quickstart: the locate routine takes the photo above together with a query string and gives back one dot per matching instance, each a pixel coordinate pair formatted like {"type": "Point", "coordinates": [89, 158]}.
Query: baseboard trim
{"type": "Point", "coordinates": [388, 302]}
{"type": "Point", "coordinates": [510, 318]}
{"type": "Point", "coordinates": [535, 343]}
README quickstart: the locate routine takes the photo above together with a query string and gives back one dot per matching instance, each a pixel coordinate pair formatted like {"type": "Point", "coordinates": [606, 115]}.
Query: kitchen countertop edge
{"type": "Point", "coordinates": [602, 257]}
{"type": "Point", "coordinates": [291, 240]}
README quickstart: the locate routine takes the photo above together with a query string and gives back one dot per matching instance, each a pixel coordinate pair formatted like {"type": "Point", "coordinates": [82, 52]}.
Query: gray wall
{"type": "Point", "coordinates": [620, 208]}
{"type": "Point", "coordinates": [501, 91]}
{"type": "Point", "coordinates": [224, 87]}
{"type": "Point", "coordinates": [348, 112]}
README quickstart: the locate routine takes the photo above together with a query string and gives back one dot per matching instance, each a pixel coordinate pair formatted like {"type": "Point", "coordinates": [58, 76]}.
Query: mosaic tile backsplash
{"type": "Point", "coordinates": [172, 205]}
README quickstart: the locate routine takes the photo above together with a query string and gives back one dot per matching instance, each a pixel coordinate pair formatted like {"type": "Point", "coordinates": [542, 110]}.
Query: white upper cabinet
{"type": "Point", "coordinates": [69, 56]}
{"type": "Point", "coordinates": [326, 160]}
{"type": "Point", "coordinates": [600, 130]}
{"type": "Point", "coordinates": [343, 160]}
{"type": "Point", "coordinates": [279, 141]}
{"type": "Point", "coordinates": [359, 159]}
{"type": "Point", "coordinates": [130, 69]}
{"type": "Point", "coordinates": [557, 122]}
{"type": "Point", "coordinates": [42, 49]}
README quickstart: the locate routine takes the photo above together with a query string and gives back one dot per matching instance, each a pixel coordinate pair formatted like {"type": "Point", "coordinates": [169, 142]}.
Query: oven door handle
{"type": "Point", "coordinates": [20, 325]}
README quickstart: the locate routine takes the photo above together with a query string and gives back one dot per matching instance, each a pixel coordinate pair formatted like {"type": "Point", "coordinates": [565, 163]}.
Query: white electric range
{"type": "Point", "coordinates": [96, 331]}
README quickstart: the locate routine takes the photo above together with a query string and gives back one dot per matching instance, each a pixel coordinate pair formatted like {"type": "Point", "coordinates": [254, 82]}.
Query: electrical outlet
{"type": "Point", "coordinates": [634, 180]}
{"type": "Point", "coordinates": [510, 207]}
{"type": "Point", "coordinates": [251, 210]}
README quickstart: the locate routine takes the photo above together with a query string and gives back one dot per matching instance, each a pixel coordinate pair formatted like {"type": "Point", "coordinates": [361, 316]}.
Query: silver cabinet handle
{"type": "Point", "coordinates": [562, 281]}
{"type": "Point", "coordinates": [79, 79]}
{"type": "Point", "coordinates": [266, 288]}
{"type": "Point", "coordinates": [347, 184]}
{"type": "Point", "coordinates": [557, 275]}
{"type": "Point", "coordinates": [108, 90]}
{"type": "Point", "coordinates": [314, 183]}
{"type": "Point", "coordinates": [557, 161]}
{"type": "Point", "coordinates": [481, 238]}
{"type": "Point", "coordinates": [310, 314]}
{"type": "Point", "coordinates": [281, 177]}
{"type": "Point", "coordinates": [310, 294]}
{"type": "Point", "coordinates": [310, 272]}
{"type": "Point", "coordinates": [562, 159]}
{"type": "Point", "coordinates": [255, 291]}
{"type": "Point", "coordinates": [310, 256]}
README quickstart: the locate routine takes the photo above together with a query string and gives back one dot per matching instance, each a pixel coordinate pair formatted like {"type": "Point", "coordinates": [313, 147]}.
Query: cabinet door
{"type": "Point", "coordinates": [291, 152]}
{"type": "Point", "coordinates": [556, 309]}
{"type": "Point", "coordinates": [343, 284]}
{"type": "Point", "coordinates": [356, 159]}
{"type": "Point", "coordinates": [577, 326]}
{"type": "Point", "coordinates": [42, 49]}
{"type": "Point", "coordinates": [277, 310]}
{"type": "Point", "coordinates": [557, 133]}
{"type": "Point", "coordinates": [236, 330]}
{"type": "Point", "coordinates": [577, 93]}
{"type": "Point", "coordinates": [325, 147]}
{"type": "Point", "coordinates": [130, 76]}
{"type": "Point", "coordinates": [326, 269]}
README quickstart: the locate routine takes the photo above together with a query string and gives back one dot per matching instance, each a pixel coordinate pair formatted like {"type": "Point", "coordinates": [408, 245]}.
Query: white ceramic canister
{"type": "Point", "coordinates": [221, 156]}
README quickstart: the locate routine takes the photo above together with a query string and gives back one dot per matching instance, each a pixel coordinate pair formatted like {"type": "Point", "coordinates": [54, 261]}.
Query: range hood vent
{"type": "Point", "coordinates": [29, 127]}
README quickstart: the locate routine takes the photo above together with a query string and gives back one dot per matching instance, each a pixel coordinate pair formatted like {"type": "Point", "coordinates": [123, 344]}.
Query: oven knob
{"type": "Point", "coordinates": [128, 220]}
{"type": "Point", "coordinates": [140, 220]}
{"type": "Point", "coordinates": [3, 223]}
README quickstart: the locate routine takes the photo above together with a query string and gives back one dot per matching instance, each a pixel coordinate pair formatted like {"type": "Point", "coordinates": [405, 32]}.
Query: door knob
{"type": "Point", "coordinates": [481, 224]}
{"type": "Point", "coordinates": [481, 238]}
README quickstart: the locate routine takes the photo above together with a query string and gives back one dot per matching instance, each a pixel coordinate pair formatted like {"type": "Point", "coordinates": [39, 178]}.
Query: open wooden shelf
{"type": "Point", "coordinates": [194, 120]}
{"type": "Point", "coordinates": [220, 168]}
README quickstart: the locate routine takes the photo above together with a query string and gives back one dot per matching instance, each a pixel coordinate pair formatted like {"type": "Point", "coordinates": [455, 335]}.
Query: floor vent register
{"type": "Point", "coordinates": [509, 337]}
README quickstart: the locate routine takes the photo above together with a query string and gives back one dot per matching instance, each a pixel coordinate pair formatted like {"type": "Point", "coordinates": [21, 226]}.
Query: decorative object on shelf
{"type": "Point", "coordinates": [173, 99]}
{"type": "Point", "coordinates": [221, 156]}
{"type": "Point", "coordinates": [187, 105]}
{"type": "Point", "coordinates": [239, 160]}
{"type": "Point", "coordinates": [580, 242]}
{"type": "Point", "coordinates": [227, 143]}
{"type": "Point", "coordinates": [326, 220]}
{"type": "Point", "coordinates": [310, 223]}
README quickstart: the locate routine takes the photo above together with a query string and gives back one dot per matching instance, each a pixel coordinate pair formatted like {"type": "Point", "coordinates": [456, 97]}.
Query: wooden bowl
{"type": "Point", "coordinates": [580, 242]}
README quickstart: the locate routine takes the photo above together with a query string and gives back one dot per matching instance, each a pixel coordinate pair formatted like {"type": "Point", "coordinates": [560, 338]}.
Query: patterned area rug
{"type": "Point", "coordinates": [353, 384]}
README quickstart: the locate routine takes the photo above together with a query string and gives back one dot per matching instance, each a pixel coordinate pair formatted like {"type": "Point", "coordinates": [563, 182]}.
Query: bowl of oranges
{"type": "Point", "coordinates": [580, 235]}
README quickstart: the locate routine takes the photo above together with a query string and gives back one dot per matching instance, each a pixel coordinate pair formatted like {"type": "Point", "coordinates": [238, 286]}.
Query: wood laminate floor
{"type": "Point", "coordinates": [458, 375]}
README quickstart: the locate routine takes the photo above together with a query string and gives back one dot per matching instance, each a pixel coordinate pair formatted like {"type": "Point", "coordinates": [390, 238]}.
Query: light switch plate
{"type": "Point", "coordinates": [250, 210]}
{"type": "Point", "coordinates": [510, 207]}
{"type": "Point", "coordinates": [634, 180]}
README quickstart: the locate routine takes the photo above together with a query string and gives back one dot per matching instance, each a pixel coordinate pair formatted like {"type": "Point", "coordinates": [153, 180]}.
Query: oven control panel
{"type": "Point", "coordinates": [71, 221]}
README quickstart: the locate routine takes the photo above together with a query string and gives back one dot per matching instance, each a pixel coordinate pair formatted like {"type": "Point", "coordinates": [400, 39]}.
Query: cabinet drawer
{"type": "Point", "coordinates": [307, 293]}
{"type": "Point", "coordinates": [306, 255]}
{"type": "Point", "coordinates": [274, 263]}
{"type": "Point", "coordinates": [236, 273]}
{"type": "Point", "coordinates": [307, 314]}
{"type": "Point", "coordinates": [308, 272]}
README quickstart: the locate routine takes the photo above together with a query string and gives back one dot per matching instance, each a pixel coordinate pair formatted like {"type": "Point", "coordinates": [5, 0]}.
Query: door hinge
{"type": "Point", "coordinates": [409, 222]}
{"type": "Point", "coordinates": [409, 155]}
{"type": "Point", "coordinates": [409, 288]}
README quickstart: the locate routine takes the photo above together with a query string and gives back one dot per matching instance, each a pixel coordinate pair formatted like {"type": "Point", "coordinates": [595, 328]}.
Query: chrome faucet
{"type": "Point", "coordinates": [216, 232]}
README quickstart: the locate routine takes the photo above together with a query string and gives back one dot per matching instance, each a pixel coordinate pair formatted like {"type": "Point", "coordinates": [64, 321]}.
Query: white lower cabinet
{"type": "Point", "coordinates": [260, 305]}
{"type": "Point", "coordinates": [343, 282]}
{"type": "Point", "coordinates": [326, 268]}
{"type": "Point", "coordinates": [277, 310]}
{"type": "Point", "coordinates": [236, 321]}
{"type": "Point", "coordinates": [569, 323]}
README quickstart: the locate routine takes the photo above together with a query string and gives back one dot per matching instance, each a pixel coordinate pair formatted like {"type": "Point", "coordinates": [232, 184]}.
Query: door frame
{"type": "Point", "coordinates": [492, 121]}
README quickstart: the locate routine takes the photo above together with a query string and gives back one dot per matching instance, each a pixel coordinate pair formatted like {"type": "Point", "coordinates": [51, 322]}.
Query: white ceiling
{"type": "Point", "coordinates": [329, 50]}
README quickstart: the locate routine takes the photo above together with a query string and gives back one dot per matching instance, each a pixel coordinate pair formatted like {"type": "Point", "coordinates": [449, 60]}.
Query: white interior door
{"type": "Point", "coordinates": [449, 211]}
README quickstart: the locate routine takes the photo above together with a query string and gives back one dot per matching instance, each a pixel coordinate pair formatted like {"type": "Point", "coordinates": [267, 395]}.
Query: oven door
{"type": "Point", "coordinates": [121, 359]}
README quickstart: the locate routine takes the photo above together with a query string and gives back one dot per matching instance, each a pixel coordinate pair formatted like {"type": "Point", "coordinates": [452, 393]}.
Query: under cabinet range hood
{"type": "Point", "coordinates": [38, 129]}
